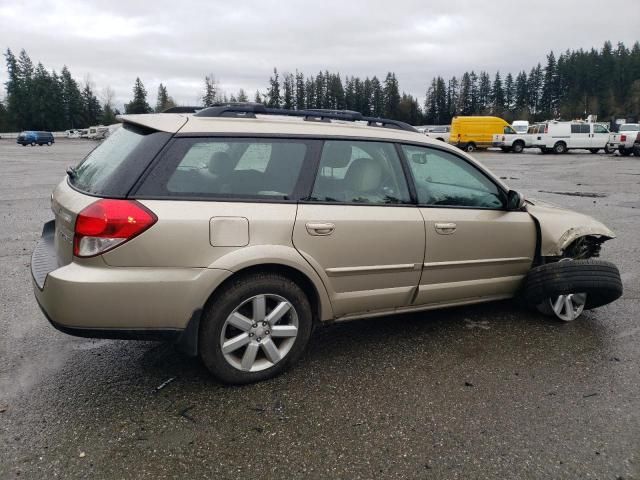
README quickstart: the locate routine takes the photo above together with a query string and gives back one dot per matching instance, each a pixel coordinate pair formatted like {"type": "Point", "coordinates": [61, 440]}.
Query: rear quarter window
{"type": "Point", "coordinates": [230, 168]}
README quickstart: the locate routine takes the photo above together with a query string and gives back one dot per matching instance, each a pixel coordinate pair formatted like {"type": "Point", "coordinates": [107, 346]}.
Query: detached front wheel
{"type": "Point", "coordinates": [257, 327]}
{"type": "Point", "coordinates": [566, 288]}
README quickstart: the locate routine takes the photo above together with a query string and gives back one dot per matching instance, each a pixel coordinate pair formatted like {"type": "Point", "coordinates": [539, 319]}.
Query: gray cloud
{"type": "Point", "coordinates": [178, 43]}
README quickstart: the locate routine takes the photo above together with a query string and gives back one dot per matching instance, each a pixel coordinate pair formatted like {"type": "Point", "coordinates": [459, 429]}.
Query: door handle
{"type": "Point", "coordinates": [320, 229]}
{"type": "Point", "coordinates": [445, 228]}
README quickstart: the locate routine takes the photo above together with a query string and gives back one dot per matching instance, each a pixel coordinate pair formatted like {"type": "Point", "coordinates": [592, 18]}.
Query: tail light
{"type": "Point", "coordinates": [107, 223]}
{"type": "Point", "coordinates": [623, 138]}
{"type": "Point", "coordinates": [638, 138]}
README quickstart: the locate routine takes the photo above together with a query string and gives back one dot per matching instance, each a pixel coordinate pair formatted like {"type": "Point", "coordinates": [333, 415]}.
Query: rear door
{"type": "Point", "coordinates": [474, 247]}
{"type": "Point", "coordinates": [359, 230]}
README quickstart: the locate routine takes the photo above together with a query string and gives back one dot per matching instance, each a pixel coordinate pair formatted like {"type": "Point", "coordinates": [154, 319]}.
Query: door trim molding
{"type": "Point", "coordinates": [483, 261]}
{"type": "Point", "coordinates": [343, 271]}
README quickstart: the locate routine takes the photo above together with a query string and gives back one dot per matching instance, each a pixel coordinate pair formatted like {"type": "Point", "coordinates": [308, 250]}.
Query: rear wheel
{"type": "Point", "coordinates": [470, 147]}
{"type": "Point", "coordinates": [518, 147]}
{"type": "Point", "coordinates": [560, 148]}
{"type": "Point", "coordinates": [624, 152]}
{"type": "Point", "coordinates": [594, 150]}
{"type": "Point", "coordinates": [257, 327]}
{"type": "Point", "coordinates": [608, 149]}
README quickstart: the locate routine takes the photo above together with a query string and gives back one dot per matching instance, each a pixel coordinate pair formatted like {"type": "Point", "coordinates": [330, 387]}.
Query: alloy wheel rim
{"type": "Point", "coordinates": [568, 307]}
{"type": "Point", "coordinates": [259, 333]}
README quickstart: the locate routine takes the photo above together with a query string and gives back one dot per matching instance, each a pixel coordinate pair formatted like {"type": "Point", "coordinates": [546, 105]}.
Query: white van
{"type": "Point", "coordinates": [520, 126]}
{"type": "Point", "coordinates": [558, 137]}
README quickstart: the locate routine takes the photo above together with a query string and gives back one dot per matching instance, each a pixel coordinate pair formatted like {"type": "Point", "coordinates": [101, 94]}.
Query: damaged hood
{"type": "Point", "coordinates": [559, 227]}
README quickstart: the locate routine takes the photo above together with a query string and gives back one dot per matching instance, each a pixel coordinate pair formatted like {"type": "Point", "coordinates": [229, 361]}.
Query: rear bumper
{"type": "Point", "coordinates": [99, 301]}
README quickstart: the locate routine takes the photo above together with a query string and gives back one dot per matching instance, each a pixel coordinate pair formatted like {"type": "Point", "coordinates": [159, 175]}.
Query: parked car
{"type": "Point", "coordinates": [520, 126]}
{"type": "Point", "coordinates": [441, 133]}
{"type": "Point", "coordinates": [625, 138]}
{"type": "Point", "coordinates": [511, 141]}
{"type": "Point", "coordinates": [35, 138]}
{"type": "Point", "coordinates": [471, 133]}
{"type": "Point", "coordinates": [235, 230]}
{"type": "Point", "coordinates": [560, 137]}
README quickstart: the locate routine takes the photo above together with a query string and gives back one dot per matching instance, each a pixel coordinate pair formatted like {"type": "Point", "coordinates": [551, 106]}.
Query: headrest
{"type": "Point", "coordinates": [336, 154]}
{"type": "Point", "coordinates": [364, 175]}
{"type": "Point", "coordinates": [221, 163]}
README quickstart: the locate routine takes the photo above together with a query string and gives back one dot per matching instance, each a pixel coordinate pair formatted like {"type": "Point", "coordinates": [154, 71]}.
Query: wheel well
{"type": "Point", "coordinates": [301, 279]}
{"type": "Point", "coordinates": [519, 142]}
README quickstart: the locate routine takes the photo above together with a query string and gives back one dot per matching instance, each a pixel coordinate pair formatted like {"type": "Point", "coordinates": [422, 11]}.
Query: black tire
{"type": "Point", "coordinates": [33, 144]}
{"type": "Point", "coordinates": [594, 150]}
{"type": "Point", "coordinates": [544, 150]}
{"type": "Point", "coordinates": [49, 144]}
{"type": "Point", "coordinates": [559, 148]}
{"type": "Point", "coordinates": [608, 149]}
{"type": "Point", "coordinates": [470, 147]}
{"type": "Point", "coordinates": [600, 280]}
{"type": "Point", "coordinates": [224, 303]}
{"type": "Point", "coordinates": [518, 147]}
{"type": "Point", "coordinates": [624, 152]}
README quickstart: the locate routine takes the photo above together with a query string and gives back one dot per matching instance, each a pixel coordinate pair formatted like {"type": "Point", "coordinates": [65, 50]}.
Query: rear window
{"type": "Point", "coordinates": [112, 168]}
{"type": "Point", "coordinates": [260, 168]}
{"type": "Point", "coordinates": [629, 128]}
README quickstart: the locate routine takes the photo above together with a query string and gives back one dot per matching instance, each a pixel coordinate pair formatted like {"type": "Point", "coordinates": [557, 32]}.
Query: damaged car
{"type": "Point", "coordinates": [234, 230]}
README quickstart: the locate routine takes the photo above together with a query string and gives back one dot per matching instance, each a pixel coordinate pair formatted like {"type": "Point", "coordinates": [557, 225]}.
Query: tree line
{"type": "Point", "coordinates": [605, 82]}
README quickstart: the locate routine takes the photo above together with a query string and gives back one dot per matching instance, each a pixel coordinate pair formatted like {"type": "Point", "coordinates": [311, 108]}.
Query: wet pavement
{"type": "Point", "coordinates": [489, 391]}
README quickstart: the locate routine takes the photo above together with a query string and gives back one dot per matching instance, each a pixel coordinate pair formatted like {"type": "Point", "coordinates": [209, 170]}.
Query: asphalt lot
{"type": "Point", "coordinates": [488, 391]}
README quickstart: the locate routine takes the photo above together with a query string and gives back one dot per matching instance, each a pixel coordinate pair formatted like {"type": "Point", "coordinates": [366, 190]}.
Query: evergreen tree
{"type": "Point", "coordinates": [550, 92]}
{"type": "Point", "coordinates": [464, 101]}
{"type": "Point", "coordinates": [509, 92]}
{"type": "Point", "coordinates": [475, 94]}
{"type": "Point", "coordinates": [365, 97]}
{"type": "Point", "coordinates": [242, 96]}
{"type": "Point", "coordinates": [452, 97]}
{"type": "Point", "coordinates": [300, 91]}
{"type": "Point", "coordinates": [91, 109]}
{"type": "Point", "coordinates": [210, 95]}
{"type": "Point", "coordinates": [139, 103]}
{"type": "Point", "coordinates": [391, 94]}
{"type": "Point", "coordinates": [484, 93]}
{"type": "Point", "coordinates": [377, 98]}
{"type": "Point", "coordinates": [497, 96]}
{"type": "Point", "coordinates": [534, 89]}
{"type": "Point", "coordinates": [164, 101]}
{"type": "Point", "coordinates": [289, 96]}
{"type": "Point", "coordinates": [273, 94]}
{"type": "Point", "coordinates": [15, 93]}
{"type": "Point", "coordinates": [521, 99]}
{"type": "Point", "coordinates": [71, 100]}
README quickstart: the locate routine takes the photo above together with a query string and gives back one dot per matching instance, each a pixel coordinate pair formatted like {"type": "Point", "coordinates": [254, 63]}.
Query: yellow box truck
{"type": "Point", "coordinates": [470, 133]}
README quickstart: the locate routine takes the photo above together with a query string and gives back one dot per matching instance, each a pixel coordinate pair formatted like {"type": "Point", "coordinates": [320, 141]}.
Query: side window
{"type": "Point", "coordinates": [360, 172]}
{"type": "Point", "coordinates": [509, 130]}
{"type": "Point", "coordinates": [228, 168]}
{"type": "Point", "coordinates": [444, 179]}
{"type": "Point", "coordinates": [599, 129]}
{"type": "Point", "coordinates": [575, 128]}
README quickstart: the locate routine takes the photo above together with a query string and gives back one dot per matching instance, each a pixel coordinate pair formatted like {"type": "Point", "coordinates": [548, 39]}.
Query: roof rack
{"type": "Point", "coordinates": [182, 109]}
{"type": "Point", "coordinates": [249, 110]}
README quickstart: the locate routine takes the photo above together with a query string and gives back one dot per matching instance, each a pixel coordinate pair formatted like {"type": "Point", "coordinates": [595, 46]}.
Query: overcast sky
{"type": "Point", "coordinates": [240, 41]}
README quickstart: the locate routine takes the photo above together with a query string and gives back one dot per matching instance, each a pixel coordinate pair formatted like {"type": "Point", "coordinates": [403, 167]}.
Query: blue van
{"type": "Point", "coordinates": [35, 138]}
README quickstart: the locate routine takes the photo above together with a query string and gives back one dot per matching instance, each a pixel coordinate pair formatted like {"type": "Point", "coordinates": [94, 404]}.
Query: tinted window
{"type": "Point", "coordinates": [580, 128]}
{"type": "Point", "coordinates": [114, 166]}
{"type": "Point", "coordinates": [232, 168]}
{"type": "Point", "coordinates": [509, 130]}
{"type": "Point", "coordinates": [445, 179]}
{"type": "Point", "coordinates": [360, 172]}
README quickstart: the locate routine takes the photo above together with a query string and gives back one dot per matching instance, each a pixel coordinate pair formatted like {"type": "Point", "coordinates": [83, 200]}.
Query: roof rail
{"type": "Point", "coordinates": [249, 110]}
{"type": "Point", "coordinates": [182, 109]}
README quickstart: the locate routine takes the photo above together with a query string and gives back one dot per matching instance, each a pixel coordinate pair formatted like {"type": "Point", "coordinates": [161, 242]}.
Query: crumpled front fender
{"type": "Point", "coordinates": [560, 227]}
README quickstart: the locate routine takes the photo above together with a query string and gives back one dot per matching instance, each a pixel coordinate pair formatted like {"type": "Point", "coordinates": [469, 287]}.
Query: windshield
{"type": "Point", "coordinates": [630, 128]}
{"type": "Point", "coordinates": [520, 128]}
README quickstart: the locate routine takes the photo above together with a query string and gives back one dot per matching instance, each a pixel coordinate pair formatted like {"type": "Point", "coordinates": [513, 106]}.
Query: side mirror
{"type": "Point", "coordinates": [515, 201]}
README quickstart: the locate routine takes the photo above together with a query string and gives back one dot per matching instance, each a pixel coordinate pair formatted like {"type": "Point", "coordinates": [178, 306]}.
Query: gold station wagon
{"type": "Point", "coordinates": [234, 230]}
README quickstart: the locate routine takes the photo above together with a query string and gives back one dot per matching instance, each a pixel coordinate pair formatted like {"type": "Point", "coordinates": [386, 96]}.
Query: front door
{"type": "Point", "coordinates": [359, 230]}
{"type": "Point", "coordinates": [600, 136]}
{"type": "Point", "coordinates": [474, 247]}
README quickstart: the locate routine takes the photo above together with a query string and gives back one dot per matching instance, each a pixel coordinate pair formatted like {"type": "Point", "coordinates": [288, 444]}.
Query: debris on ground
{"type": "Point", "coordinates": [183, 413]}
{"type": "Point", "coordinates": [165, 383]}
{"type": "Point", "coordinates": [577, 194]}
{"type": "Point", "coordinates": [82, 455]}
{"type": "Point", "coordinates": [3, 408]}
{"type": "Point", "coordinates": [589, 395]}
{"type": "Point", "coordinates": [469, 384]}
